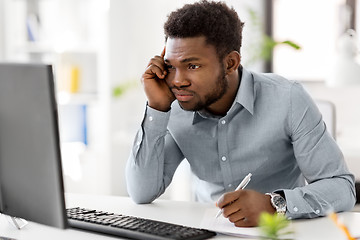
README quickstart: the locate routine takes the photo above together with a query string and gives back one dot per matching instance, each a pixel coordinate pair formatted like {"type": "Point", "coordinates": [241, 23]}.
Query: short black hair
{"type": "Point", "coordinates": [219, 24]}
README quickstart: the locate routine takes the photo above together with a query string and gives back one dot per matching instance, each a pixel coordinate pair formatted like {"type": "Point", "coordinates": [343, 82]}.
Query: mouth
{"type": "Point", "coordinates": [183, 96]}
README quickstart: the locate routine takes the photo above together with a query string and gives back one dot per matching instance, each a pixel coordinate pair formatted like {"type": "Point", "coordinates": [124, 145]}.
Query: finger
{"type": "Point", "coordinates": [241, 219]}
{"type": "Point", "coordinates": [227, 199]}
{"type": "Point", "coordinates": [157, 60]}
{"type": "Point", "coordinates": [236, 216]}
{"type": "Point", "coordinates": [231, 208]}
{"type": "Point", "coordinates": [163, 52]}
{"type": "Point", "coordinates": [245, 222]}
{"type": "Point", "coordinates": [154, 70]}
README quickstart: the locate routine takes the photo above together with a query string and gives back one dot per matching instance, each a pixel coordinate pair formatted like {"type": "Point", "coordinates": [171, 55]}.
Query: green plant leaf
{"type": "Point", "coordinates": [262, 47]}
{"type": "Point", "coordinates": [273, 225]}
{"type": "Point", "coordinates": [120, 89]}
{"type": "Point", "coordinates": [292, 44]}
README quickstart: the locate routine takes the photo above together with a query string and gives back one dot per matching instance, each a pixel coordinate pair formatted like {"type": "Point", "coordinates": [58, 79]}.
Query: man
{"type": "Point", "coordinates": [226, 121]}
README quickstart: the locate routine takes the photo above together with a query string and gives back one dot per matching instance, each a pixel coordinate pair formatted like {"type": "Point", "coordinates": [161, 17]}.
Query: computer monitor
{"type": "Point", "coordinates": [31, 182]}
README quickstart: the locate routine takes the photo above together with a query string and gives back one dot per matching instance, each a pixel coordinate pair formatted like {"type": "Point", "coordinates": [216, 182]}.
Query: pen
{"type": "Point", "coordinates": [242, 185]}
{"type": "Point", "coordinates": [333, 217]}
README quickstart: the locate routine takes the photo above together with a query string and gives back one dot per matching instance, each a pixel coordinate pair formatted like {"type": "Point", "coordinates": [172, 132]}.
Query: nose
{"type": "Point", "coordinates": [180, 80]}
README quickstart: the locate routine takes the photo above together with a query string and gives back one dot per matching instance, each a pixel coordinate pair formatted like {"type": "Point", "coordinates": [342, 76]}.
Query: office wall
{"type": "Point", "coordinates": [347, 102]}
{"type": "Point", "coordinates": [2, 30]}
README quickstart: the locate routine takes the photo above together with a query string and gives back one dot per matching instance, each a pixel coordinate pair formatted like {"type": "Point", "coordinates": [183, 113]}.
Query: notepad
{"type": "Point", "coordinates": [224, 226]}
{"type": "Point", "coordinates": [301, 228]}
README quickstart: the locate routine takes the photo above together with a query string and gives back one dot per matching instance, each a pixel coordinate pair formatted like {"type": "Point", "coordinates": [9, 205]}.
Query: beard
{"type": "Point", "coordinates": [219, 90]}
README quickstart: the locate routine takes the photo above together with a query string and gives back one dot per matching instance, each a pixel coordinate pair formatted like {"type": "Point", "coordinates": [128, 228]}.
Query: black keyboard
{"type": "Point", "coordinates": [132, 227]}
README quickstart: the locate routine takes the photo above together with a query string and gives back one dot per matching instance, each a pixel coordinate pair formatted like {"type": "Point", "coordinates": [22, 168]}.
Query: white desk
{"type": "Point", "coordinates": [185, 213]}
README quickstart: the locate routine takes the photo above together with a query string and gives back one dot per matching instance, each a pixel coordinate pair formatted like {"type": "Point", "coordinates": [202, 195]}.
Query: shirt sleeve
{"type": "Point", "coordinates": [153, 159]}
{"type": "Point", "coordinates": [330, 185]}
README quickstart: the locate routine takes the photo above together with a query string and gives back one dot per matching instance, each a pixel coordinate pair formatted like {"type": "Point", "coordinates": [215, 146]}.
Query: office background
{"type": "Point", "coordinates": [100, 48]}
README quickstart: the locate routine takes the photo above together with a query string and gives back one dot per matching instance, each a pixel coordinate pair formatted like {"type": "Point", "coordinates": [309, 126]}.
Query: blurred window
{"type": "Point", "coordinates": [315, 26]}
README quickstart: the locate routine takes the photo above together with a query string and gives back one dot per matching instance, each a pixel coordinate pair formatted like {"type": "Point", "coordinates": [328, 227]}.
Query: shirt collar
{"type": "Point", "coordinates": [245, 95]}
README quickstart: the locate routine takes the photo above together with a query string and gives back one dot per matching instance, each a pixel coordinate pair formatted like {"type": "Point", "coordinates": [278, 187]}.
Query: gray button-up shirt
{"type": "Point", "coordinates": [273, 130]}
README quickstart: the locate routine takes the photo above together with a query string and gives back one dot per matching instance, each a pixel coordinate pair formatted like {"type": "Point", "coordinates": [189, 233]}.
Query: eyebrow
{"type": "Point", "coordinates": [185, 60]}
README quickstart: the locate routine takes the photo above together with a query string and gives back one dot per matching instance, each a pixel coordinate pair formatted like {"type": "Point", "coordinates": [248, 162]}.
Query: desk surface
{"type": "Point", "coordinates": [184, 213]}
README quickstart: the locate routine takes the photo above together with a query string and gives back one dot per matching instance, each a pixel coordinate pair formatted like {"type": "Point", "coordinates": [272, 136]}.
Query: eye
{"type": "Point", "coordinates": [193, 66]}
{"type": "Point", "coordinates": [169, 67]}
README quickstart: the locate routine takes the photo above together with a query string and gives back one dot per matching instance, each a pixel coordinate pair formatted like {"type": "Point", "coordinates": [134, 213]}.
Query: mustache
{"type": "Point", "coordinates": [182, 90]}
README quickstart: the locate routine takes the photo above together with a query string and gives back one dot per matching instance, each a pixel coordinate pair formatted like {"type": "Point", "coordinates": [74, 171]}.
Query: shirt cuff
{"type": "Point", "coordinates": [155, 120]}
{"type": "Point", "coordinates": [297, 207]}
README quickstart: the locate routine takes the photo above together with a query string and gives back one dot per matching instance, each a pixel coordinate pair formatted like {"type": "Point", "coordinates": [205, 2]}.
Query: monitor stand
{"type": "Point", "coordinates": [18, 223]}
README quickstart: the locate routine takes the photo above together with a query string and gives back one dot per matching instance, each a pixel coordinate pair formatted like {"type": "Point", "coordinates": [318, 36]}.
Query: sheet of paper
{"type": "Point", "coordinates": [223, 225]}
{"type": "Point", "coordinates": [303, 229]}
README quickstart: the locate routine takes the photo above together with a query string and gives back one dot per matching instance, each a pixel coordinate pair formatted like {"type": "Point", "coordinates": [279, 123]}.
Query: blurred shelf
{"type": "Point", "coordinates": [65, 98]}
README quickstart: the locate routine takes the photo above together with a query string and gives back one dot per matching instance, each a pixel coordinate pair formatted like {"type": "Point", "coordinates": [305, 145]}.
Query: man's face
{"type": "Point", "coordinates": [195, 74]}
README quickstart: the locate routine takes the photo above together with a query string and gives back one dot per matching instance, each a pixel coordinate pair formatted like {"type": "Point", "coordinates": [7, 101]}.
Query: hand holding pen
{"type": "Point", "coordinates": [243, 207]}
{"type": "Point", "coordinates": [242, 185]}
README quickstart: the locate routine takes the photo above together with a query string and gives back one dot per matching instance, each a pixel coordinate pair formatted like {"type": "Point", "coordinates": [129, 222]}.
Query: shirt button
{"type": "Point", "coordinates": [151, 118]}
{"type": "Point", "coordinates": [230, 185]}
{"type": "Point", "coordinates": [223, 158]}
{"type": "Point", "coordinates": [295, 209]}
{"type": "Point", "coordinates": [317, 211]}
{"type": "Point", "coordinates": [223, 122]}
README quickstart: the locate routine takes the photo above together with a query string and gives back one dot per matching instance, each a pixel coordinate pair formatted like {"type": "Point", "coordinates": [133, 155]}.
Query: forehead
{"type": "Point", "coordinates": [178, 49]}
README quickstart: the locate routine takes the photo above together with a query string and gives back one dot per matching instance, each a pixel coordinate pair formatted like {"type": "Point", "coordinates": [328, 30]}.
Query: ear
{"type": "Point", "coordinates": [232, 62]}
